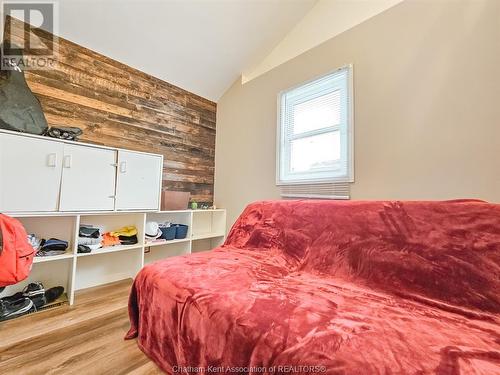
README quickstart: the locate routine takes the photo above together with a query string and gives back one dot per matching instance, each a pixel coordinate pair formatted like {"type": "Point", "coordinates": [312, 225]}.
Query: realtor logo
{"type": "Point", "coordinates": [29, 35]}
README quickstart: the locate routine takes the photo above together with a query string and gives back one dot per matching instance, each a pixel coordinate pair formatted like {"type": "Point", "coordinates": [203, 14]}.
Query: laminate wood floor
{"type": "Point", "coordinates": [86, 338]}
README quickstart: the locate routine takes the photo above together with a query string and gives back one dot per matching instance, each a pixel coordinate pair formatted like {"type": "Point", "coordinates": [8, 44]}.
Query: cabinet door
{"type": "Point", "coordinates": [30, 173]}
{"type": "Point", "coordinates": [138, 181]}
{"type": "Point", "coordinates": [88, 179]}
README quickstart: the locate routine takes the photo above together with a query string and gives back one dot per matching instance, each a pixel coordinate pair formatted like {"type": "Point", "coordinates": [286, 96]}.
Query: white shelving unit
{"type": "Point", "coordinates": [77, 271]}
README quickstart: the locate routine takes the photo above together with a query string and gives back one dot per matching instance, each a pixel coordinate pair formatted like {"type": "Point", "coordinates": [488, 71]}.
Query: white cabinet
{"type": "Point", "coordinates": [30, 173]}
{"type": "Point", "coordinates": [88, 178]}
{"type": "Point", "coordinates": [138, 181]}
{"type": "Point", "coordinates": [39, 174]}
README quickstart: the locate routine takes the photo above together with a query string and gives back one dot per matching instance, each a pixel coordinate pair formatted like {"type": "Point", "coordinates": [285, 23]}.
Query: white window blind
{"type": "Point", "coordinates": [315, 143]}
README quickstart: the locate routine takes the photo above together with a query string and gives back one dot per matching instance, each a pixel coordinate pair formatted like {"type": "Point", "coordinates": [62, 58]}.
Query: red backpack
{"type": "Point", "coordinates": [16, 254]}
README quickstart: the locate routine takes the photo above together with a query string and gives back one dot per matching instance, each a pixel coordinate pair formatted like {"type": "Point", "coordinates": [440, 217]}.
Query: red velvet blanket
{"type": "Point", "coordinates": [331, 287]}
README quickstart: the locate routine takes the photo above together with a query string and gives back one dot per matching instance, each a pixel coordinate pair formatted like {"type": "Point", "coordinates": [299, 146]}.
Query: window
{"type": "Point", "coordinates": [315, 142]}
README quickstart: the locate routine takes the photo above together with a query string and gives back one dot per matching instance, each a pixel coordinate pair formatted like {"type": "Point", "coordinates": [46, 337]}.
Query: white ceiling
{"type": "Point", "coordinates": [202, 46]}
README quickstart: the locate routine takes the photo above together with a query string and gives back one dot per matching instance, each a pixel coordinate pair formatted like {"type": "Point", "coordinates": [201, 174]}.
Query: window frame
{"type": "Point", "coordinates": [349, 177]}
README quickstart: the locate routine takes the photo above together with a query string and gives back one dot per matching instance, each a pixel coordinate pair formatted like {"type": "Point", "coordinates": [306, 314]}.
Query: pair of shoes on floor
{"type": "Point", "coordinates": [33, 297]}
{"type": "Point", "coordinates": [33, 291]}
{"type": "Point", "coordinates": [40, 297]}
{"type": "Point", "coordinates": [30, 299]}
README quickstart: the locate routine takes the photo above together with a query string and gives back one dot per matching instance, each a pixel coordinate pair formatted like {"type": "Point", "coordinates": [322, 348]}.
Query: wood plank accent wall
{"type": "Point", "coordinates": [119, 106]}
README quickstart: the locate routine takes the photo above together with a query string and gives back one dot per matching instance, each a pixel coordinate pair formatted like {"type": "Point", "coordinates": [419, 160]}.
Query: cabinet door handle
{"type": "Point", "coordinates": [123, 167]}
{"type": "Point", "coordinates": [52, 160]}
{"type": "Point", "coordinates": [67, 161]}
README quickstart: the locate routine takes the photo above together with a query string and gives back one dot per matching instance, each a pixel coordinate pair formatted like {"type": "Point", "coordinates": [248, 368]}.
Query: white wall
{"type": "Point", "coordinates": [427, 110]}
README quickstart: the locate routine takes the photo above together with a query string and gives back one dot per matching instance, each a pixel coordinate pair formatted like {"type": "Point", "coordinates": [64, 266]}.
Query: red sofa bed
{"type": "Point", "coordinates": [331, 287]}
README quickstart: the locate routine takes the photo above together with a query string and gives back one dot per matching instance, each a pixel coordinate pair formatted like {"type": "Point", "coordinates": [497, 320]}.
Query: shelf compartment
{"type": "Point", "coordinates": [182, 247]}
{"type": "Point", "coordinates": [113, 222]}
{"type": "Point", "coordinates": [107, 267]}
{"type": "Point", "coordinates": [174, 217]}
{"type": "Point", "coordinates": [50, 274]}
{"type": "Point", "coordinates": [208, 223]}
{"type": "Point", "coordinates": [60, 227]}
{"type": "Point", "coordinates": [207, 243]}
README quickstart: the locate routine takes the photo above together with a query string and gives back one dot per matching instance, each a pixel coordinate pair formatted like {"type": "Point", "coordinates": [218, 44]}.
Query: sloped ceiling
{"type": "Point", "coordinates": [324, 21]}
{"type": "Point", "coordinates": [199, 45]}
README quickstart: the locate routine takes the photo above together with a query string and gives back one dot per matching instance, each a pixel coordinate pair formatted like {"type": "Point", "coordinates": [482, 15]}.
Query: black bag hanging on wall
{"type": "Point", "coordinates": [20, 110]}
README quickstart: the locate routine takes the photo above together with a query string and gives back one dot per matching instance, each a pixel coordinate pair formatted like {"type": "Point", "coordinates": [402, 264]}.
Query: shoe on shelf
{"type": "Point", "coordinates": [34, 290]}
{"type": "Point", "coordinates": [36, 293]}
{"type": "Point", "coordinates": [39, 301]}
{"type": "Point", "coordinates": [14, 297]}
{"type": "Point", "coordinates": [9, 310]}
{"type": "Point", "coordinates": [53, 293]}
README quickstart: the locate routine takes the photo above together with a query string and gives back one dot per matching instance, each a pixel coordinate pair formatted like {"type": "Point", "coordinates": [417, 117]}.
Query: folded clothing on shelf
{"type": "Point", "coordinates": [109, 240]}
{"type": "Point", "coordinates": [52, 246]}
{"type": "Point", "coordinates": [87, 231]}
{"type": "Point", "coordinates": [89, 241]}
{"type": "Point", "coordinates": [83, 249]}
{"type": "Point", "coordinates": [124, 236]}
{"type": "Point", "coordinates": [88, 248]}
{"type": "Point", "coordinates": [128, 240]}
{"type": "Point", "coordinates": [127, 231]}
{"type": "Point", "coordinates": [89, 238]}
{"type": "Point", "coordinates": [34, 241]}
